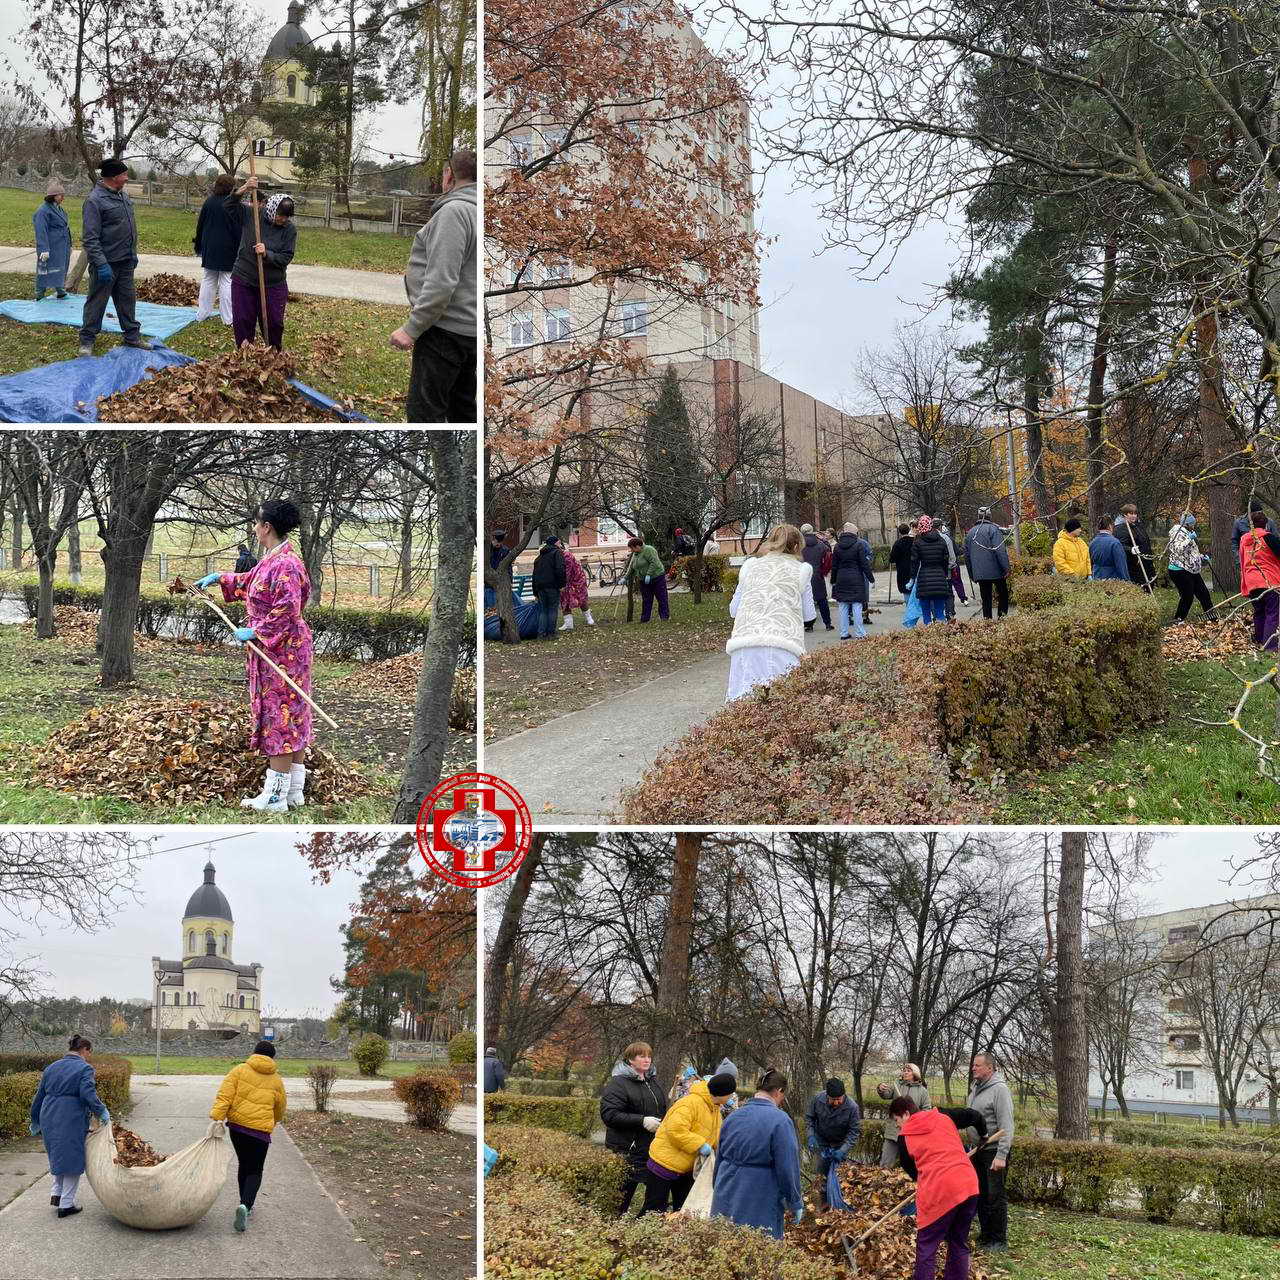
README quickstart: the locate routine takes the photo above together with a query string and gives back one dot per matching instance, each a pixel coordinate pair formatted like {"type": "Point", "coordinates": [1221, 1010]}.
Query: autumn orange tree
{"type": "Point", "coordinates": [617, 202]}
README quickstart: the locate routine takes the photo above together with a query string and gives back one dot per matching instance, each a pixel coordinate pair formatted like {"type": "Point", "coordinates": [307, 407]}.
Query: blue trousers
{"type": "Point", "coordinates": [934, 608]}
{"type": "Point", "coordinates": [848, 607]}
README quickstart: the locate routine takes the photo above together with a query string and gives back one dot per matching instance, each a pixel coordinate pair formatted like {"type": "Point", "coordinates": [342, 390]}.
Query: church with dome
{"type": "Point", "coordinates": [206, 990]}
{"type": "Point", "coordinates": [286, 82]}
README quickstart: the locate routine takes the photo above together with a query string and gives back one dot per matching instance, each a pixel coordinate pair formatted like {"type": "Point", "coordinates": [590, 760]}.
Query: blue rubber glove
{"type": "Point", "coordinates": [813, 1142]}
{"type": "Point", "coordinates": [647, 576]}
{"type": "Point", "coordinates": [35, 1129]}
{"type": "Point", "coordinates": [245, 634]}
{"type": "Point", "coordinates": [705, 1149]}
{"type": "Point", "coordinates": [208, 580]}
{"type": "Point", "coordinates": [841, 1153]}
{"type": "Point", "coordinates": [105, 274]}
{"type": "Point", "coordinates": [105, 1117]}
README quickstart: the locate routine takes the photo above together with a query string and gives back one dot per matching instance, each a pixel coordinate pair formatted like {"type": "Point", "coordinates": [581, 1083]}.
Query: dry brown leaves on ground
{"type": "Point", "coordinates": [396, 679]}
{"type": "Point", "coordinates": [169, 290]}
{"type": "Point", "coordinates": [134, 1152]}
{"type": "Point", "coordinates": [175, 751]}
{"type": "Point", "coordinates": [80, 627]}
{"type": "Point", "coordinates": [249, 384]}
{"type": "Point", "coordinates": [1191, 642]}
{"type": "Point", "coordinates": [890, 1253]}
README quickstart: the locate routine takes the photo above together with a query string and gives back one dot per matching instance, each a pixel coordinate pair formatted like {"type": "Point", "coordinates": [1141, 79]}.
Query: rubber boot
{"type": "Point", "coordinates": [274, 795]}
{"type": "Point", "coordinates": [297, 786]}
{"type": "Point", "coordinates": [567, 624]}
{"type": "Point", "coordinates": [586, 613]}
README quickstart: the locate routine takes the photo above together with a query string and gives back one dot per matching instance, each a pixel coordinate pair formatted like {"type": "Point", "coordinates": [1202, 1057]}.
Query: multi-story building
{"type": "Point", "coordinates": [286, 82]}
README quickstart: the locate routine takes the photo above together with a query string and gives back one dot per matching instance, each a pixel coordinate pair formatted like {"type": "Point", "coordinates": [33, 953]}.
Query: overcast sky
{"type": "Point", "coordinates": [397, 128]}
{"type": "Point", "coordinates": [1192, 868]}
{"type": "Point", "coordinates": [282, 921]}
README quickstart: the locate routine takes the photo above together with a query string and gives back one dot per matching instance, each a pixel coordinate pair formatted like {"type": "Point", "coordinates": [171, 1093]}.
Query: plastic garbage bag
{"type": "Point", "coordinates": [913, 613]}
{"type": "Point", "coordinates": [835, 1197]}
{"type": "Point", "coordinates": [698, 1202]}
{"type": "Point", "coordinates": [490, 1159]}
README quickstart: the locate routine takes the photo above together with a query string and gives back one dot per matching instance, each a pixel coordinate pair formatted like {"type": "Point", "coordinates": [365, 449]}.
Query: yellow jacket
{"type": "Point", "coordinates": [691, 1121]}
{"type": "Point", "coordinates": [1071, 556]}
{"type": "Point", "coordinates": [251, 1095]}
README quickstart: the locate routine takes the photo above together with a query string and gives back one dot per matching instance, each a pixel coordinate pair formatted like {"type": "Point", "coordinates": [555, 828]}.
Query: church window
{"type": "Point", "coordinates": [191, 940]}
{"type": "Point", "coordinates": [226, 939]}
{"type": "Point", "coordinates": [242, 1002]}
{"type": "Point", "coordinates": [292, 82]}
{"type": "Point", "coordinates": [293, 150]}
{"type": "Point", "coordinates": [260, 147]}
{"type": "Point", "coordinates": [210, 943]}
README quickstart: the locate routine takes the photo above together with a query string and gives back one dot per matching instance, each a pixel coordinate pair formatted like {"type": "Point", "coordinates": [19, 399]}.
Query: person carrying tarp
{"type": "Point", "coordinates": [110, 238]}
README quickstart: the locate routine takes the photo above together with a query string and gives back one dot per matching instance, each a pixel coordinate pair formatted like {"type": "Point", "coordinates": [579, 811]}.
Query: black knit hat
{"type": "Point", "coordinates": [835, 1088]}
{"type": "Point", "coordinates": [266, 1047]}
{"type": "Point", "coordinates": [723, 1085]}
{"type": "Point", "coordinates": [113, 168]}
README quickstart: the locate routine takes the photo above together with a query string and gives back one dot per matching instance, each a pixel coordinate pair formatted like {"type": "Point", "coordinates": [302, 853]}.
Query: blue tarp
{"type": "Point", "coordinates": [526, 617]}
{"type": "Point", "coordinates": [68, 391]}
{"type": "Point", "coordinates": [157, 320]}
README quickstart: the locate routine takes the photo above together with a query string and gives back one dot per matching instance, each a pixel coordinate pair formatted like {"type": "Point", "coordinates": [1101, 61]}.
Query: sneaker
{"type": "Point", "coordinates": [62, 293]}
{"type": "Point", "coordinates": [66, 1213]}
{"type": "Point", "coordinates": [242, 1216]}
{"type": "Point", "coordinates": [141, 343]}
{"type": "Point", "coordinates": [830, 626]}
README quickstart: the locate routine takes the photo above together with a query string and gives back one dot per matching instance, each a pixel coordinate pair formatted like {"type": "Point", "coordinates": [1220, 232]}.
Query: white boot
{"type": "Point", "coordinates": [297, 786]}
{"type": "Point", "coordinates": [567, 624]}
{"type": "Point", "coordinates": [273, 798]}
{"type": "Point", "coordinates": [586, 613]}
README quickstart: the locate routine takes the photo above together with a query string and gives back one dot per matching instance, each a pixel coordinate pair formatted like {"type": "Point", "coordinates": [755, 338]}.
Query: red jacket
{"type": "Point", "coordinates": [1259, 565]}
{"type": "Point", "coordinates": [947, 1175]}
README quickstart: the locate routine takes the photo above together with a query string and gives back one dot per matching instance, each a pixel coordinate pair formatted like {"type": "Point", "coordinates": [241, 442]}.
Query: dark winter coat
{"type": "Point", "coordinates": [985, 552]}
{"type": "Point", "coordinates": [217, 238]}
{"type": "Point", "coordinates": [900, 558]}
{"type": "Point", "coordinates": [66, 1098]}
{"type": "Point", "coordinates": [931, 566]}
{"type": "Point", "coordinates": [757, 1174]}
{"type": "Point", "coordinates": [851, 575]}
{"type": "Point", "coordinates": [625, 1102]}
{"type": "Point", "coordinates": [495, 1074]}
{"type": "Point", "coordinates": [832, 1126]}
{"type": "Point", "coordinates": [110, 233]}
{"type": "Point", "coordinates": [1134, 535]}
{"type": "Point", "coordinates": [245, 560]}
{"type": "Point", "coordinates": [816, 555]}
{"type": "Point", "coordinates": [280, 242]}
{"type": "Point", "coordinates": [549, 570]}
{"type": "Point", "coordinates": [53, 236]}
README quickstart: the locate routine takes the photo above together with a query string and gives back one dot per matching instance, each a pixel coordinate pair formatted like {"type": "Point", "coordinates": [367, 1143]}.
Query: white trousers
{"type": "Point", "coordinates": [65, 1186]}
{"type": "Point", "coordinates": [215, 283]}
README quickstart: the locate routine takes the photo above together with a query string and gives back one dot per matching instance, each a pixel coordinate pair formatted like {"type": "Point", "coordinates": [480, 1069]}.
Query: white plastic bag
{"type": "Point", "coordinates": [173, 1194]}
{"type": "Point", "coordinates": [698, 1202]}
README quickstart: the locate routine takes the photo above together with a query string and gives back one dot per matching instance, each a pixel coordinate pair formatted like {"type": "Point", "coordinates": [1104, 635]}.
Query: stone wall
{"type": "Point", "coordinates": [176, 1044]}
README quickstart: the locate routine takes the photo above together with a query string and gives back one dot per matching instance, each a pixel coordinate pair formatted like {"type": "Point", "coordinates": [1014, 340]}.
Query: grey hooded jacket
{"type": "Point", "coordinates": [110, 232]}
{"type": "Point", "coordinates": [440, 280]}
{"type": "Point", "coordinates": [917, 1092]}
{"type": "Point", "coordinates": [986, 553]}
{"type": "Point", "coordinates": [992, 1098]}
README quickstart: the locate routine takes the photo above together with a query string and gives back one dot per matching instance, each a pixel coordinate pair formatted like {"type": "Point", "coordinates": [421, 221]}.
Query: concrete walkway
{"type": "Point", "coordinates": [297, 1232]}
{"type": "Point", "coordinates": [573, 769]}
{"type": "Point", "coordinates": [322, 281]}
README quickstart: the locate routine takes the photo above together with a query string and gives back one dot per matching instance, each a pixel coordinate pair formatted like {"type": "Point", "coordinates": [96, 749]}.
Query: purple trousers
{"type": "Point", "coordinates": [649, 591]}
{"type": "Point", "coordinates": [952, 1227]}
{"type": "Point", "coordinates": [245, 308]}
{"type": "Point", "coordinates": [1266, 619]}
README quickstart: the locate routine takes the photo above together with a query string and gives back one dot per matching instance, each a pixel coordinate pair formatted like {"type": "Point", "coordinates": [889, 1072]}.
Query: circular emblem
{"type": "Point", "coordinates": [474, 830]}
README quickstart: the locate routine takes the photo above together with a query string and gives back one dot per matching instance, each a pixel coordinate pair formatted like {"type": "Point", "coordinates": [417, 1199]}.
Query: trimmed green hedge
{"type": "Point", "coordinates": [540, 1088]}
{"type": "Point", "coordinates": [20, 1078]}
{"type": "Point", "coordinates": [1184, 1138]}
{"type": "Point", "coordinates": [577, 1116]}
{"type": "Point", "coordinates": [826, 743]}
{"type": "Point", "coordinates": [593, 1175]}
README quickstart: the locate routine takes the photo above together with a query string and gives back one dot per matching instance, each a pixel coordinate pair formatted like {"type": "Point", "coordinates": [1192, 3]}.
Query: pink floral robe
{"type": "Point", "coordinates": [274, 592]}
{"type": "Point", "coordinates": [573, 595]}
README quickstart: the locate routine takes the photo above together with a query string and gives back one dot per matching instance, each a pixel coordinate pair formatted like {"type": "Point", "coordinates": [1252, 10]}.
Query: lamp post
{"type": "Point", "coordinates": [155, 1011]}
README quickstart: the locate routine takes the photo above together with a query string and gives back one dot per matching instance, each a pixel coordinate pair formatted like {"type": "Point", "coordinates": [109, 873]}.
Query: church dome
{"type": "Point", "coordinates": [208, 901]}
{"type": "Point", "coordinates": [290, 37]}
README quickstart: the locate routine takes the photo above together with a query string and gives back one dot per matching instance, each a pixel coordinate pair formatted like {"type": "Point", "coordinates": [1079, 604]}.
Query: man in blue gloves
{"type": "Point", "coordinates": [111, 242]}
{"type": "Point", "coordinates": [833, 1122]}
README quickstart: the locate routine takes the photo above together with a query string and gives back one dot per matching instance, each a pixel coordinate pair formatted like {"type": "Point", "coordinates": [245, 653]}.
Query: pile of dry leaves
{"type": "Point", "coordinates": [396, 680]}
{"type": "Point", "coordinates": [249, 384]}
{"type": "Point", "coordinates": [133, 1152]}
{"type": "Point", "coordinates": [1193, 641]}
{"type": "Point", "coordinates": [890, 1253]}
{"type": "Point", "coordinates": [174, 751]}
{"type": "Point", "coordinates": [169, 290]}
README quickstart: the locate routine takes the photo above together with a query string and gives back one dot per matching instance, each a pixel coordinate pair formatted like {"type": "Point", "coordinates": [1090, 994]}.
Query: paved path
{"type": "Point", "coordinates": [573, 769]}
{"type": "Point", "coordinates": [297, 1231]}
{"type": "Point", "coordinates": [323, 281]}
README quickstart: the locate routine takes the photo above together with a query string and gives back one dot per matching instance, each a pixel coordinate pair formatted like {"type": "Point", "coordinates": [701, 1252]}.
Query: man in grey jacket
{"type": "Point", "coordinates": [441, 283]}
{"type": "Point", "coordinates": [990, 1097]}
{"type": "Point", "coordinates": [110, 237]}
{"type": "Point", "coordinates": [988, 559]}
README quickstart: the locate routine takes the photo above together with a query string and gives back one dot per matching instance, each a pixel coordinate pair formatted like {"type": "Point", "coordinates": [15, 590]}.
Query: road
{"type": "Point", "coordinates": [1207, 1110]}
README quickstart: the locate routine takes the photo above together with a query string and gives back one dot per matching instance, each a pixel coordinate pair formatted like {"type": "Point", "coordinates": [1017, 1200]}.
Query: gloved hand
{"type": "Point", "coordinates": [35, 1129]}
{"type": "Point", "coordinates": [105, 274]}
{"type": "Point", "coordinates": [105, 1118]}
{"type": "Point", "coordinates": [813, 1142]}
{"type": "Point", "coordinates": [208, 580]}
{"type": "Point", "coordinates": [840, 1153]}
{"type": "Point", "coordinates": [651, 1123]}
{"type": "Point", "coordinates": [647, 576]}
{"type": "Point", "coordinates": [44, 257]}
{"type": "Point", "coordinates": [705, 1149]}
{"type": "Point", "coordinates": [244, 634]}
{"type": "Point", "coordinates": [799, 1215]}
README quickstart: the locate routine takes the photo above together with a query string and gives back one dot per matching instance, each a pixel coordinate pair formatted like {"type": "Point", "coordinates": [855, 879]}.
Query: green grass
{"type": "Point", "coordinates": [1047, 1243]}
{"type": "Point", "coordinates": [163, 230]}
{"type": "Point", "coordinates": [144, 1064]}
{"type": "Point", "coordinates": [341, 347]}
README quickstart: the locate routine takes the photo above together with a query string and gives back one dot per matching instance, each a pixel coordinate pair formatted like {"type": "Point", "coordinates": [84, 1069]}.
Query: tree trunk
{"type": "Point", "coordinates": [123, 562]}
{"type": "Point", "coordinates": [1070, 1030]}
{"type": "Point", "coordinates": [504, 600]}
{"type": "Point", "coordinates": [454, 464]}
{"type": "Point", "coordinates": [1033, 354]}
{"type": "Point", "coordinates": [1094, 418]}
{"type": "Point", "coordinates": [1122, 1104]}
{"type": "Point", "coordinates": [17, 533]}
{"type": "Point", "coordinates": [673, 972]}
{"type": "Point", "coordinates": [75, 567]}
{"type": "Point", "coordinates": [504, 945]}
{"type": "Point", "coordinates": [46, 564]}
{"type": "Point", "coordinates": [696, 585]}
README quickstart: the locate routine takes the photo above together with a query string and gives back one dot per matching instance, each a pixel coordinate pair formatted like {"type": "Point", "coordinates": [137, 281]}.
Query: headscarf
{"type": "Point", "coordinates": [1188, 521]}
{"type": "Point", "coordinates": [273, 203]}
{"type": "Point", "coordinates": [924, 525]}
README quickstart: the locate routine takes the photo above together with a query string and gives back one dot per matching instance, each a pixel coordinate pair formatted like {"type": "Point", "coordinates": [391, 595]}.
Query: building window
{"type": "Point", "coordinates": [292, 85]}
{"type": "Point", "coordinates": [635, 319]}
{"type": "Point", "coordinates": [628, 15]}
{"type": "Point", "coordinates": [522, 332]}
{"type": "Point", "coordinates": [210, 943]}
{"type": "Point", "coordinates": [521, 150]}
{"type": "Point", "coordinates": [559, 324]}
{"type": "Point", "coordinates": [1186, 1043]}
{"type": "Point", "coordinates": [557, 272]}
{"type": "Point", "coordinates": [260, 147]}
{"type": "Point", "coordinates": [1185, 1080]}
{"type": "Point", "coordinates": [762, 499]}
{"type": "Point", "coordinates": [226, 939]}
{"type": "Point", "coordinates": [1185, 933]}
{"type": "Point", "coordinates": [191, 941]}
{"type": "Point", "coordinates": [242, 1002]}
{"type": "Point", "coordinates": [553, 140]}
{"type": "Point", "coordinates": [293, 150]}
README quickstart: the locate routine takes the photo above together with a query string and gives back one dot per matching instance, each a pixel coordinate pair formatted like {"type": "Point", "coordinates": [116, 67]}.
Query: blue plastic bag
{"type": "Point", "coordinates": [835, 1197]}
{"type": "Point", "coordinates": [913, 613]}
{"type": "Point", "coordinates": [490, 1159]}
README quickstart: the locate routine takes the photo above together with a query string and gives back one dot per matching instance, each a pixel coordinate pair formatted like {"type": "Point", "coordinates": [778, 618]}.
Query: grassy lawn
{"type": "Point", "coordinates": [534, 681]}
{"type": "Point", "coordinates": [1045, 1244]}
{"type": "Point", "coordinates": [410, 1192]}
{"type": "Point", "coordinates": [341, 347]}
{"type": "Point", "coordinates": [163, 230]}
{"type": "Point", "coordinates": [144, 1064]}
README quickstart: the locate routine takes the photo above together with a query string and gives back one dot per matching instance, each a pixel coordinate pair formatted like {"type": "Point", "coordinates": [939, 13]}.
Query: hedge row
{"type": "Point", "coordinates": [1233, 1191]}
{"type": "Point", "coordinates": [20, 1078]}
{"type": "Point", "coordinates": [540, 1088]}
{"type": "Point", "coordinates": [593, 1175]}
{"type": "Point", "coordinates": [577, 1116]}
{"type": "Point", "coordinates": [1184, 1138]}
{"type": "Point", "coordinates": [827, 742]}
